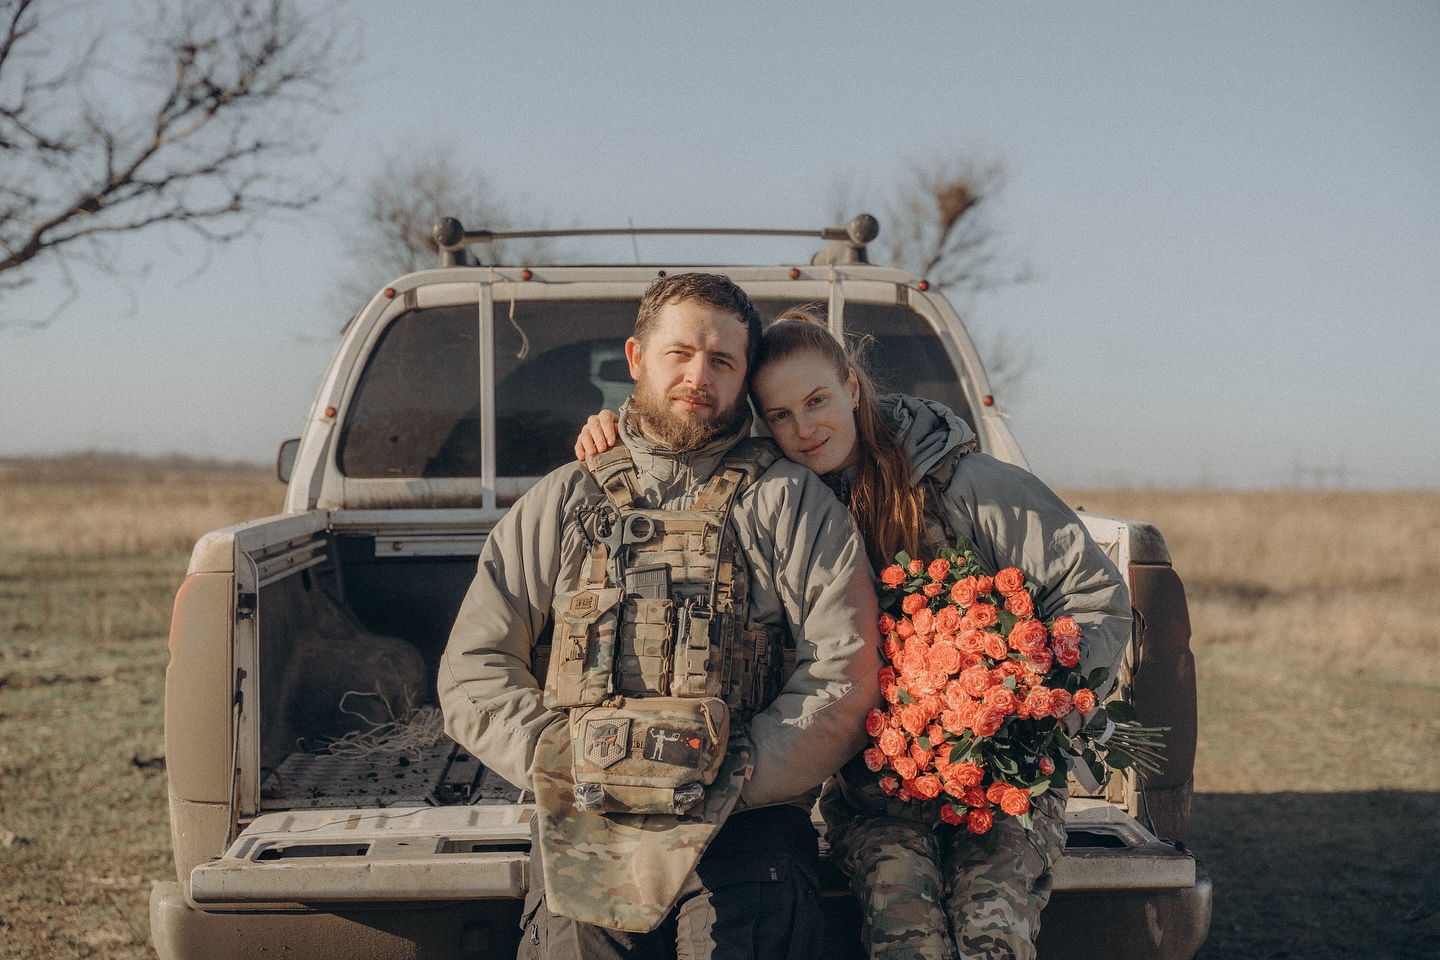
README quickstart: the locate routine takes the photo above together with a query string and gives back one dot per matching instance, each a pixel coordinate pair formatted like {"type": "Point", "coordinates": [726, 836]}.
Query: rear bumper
{"type": "Point", "coordinates": [444, 931]}
{"type": "Point", "coordinates": [1123, 924]}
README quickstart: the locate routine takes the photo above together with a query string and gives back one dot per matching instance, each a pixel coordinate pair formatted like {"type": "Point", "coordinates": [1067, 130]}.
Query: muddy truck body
{"type": "Point", "coordinates": [451, 393]}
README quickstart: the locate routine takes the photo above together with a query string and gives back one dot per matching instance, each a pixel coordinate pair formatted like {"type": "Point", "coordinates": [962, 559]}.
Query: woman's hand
{"type": "Point", "coordinates": [599, 434]}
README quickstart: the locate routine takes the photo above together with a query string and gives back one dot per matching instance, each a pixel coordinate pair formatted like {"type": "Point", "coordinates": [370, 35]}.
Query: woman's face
{"type": "Point", "coordinates": [810, 410]}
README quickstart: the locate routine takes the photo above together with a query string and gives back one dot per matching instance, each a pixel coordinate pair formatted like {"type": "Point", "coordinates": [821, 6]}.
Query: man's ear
{"type": "Point", "coordinates": [632, 354]}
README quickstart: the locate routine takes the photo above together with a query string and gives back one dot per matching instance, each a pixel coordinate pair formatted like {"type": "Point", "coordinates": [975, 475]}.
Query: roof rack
{"type": "Point", "coordinates": [846, 243]}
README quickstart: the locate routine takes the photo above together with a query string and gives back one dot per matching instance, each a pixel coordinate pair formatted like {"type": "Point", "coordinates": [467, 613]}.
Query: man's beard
{"type": "Point", "coordinates": [680, 432]}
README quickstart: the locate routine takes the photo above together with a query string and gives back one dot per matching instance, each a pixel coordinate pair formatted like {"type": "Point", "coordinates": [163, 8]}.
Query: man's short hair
{"type": "Point", "coordinates": [711, 289]}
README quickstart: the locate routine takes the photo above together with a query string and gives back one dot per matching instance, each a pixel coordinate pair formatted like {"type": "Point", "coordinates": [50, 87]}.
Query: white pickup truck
{"type": "Point", "coordinates": [453, 390]}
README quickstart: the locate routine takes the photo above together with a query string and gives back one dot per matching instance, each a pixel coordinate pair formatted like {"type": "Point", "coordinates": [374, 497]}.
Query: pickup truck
{"type": "Point", "coordinates": [298, 638]}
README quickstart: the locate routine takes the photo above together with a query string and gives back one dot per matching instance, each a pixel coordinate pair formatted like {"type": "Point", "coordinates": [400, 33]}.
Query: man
{"type": "Point", "coordinates": [777, 628]}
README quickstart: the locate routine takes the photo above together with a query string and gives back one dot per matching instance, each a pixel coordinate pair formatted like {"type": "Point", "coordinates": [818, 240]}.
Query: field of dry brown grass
{"type": "Point", "coordinates": [1316, 622]}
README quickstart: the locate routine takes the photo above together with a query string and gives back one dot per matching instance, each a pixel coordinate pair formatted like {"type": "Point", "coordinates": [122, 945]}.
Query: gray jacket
{"type": "Point", "coordinates": [808, 570]}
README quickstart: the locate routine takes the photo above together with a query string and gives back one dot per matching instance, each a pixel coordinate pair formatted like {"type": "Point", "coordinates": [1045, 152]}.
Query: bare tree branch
{"type": "Point", "coordinates": [195, 123]}
{"type": "Point", "coordinates": [396, 211]}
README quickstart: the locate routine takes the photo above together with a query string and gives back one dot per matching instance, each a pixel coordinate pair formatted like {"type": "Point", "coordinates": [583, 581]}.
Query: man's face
{"type": "Point", "coordinates": [689, 375]}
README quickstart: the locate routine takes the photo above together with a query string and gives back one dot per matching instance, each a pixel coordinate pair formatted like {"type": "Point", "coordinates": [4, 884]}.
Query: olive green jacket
{"type": "Point", "coordinates": [808, 570]}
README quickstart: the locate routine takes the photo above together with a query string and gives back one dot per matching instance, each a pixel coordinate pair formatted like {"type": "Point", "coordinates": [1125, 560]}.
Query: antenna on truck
{"type": "Point", "coordinates": [846, 243]}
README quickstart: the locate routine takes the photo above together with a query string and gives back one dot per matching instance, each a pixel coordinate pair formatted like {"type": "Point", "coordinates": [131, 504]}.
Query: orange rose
{"type": "Point", "coordinates": [876, 722]}
{"type": "Point", "coordinates": [1065, 627]}
{"type": "Point", "coordinates": [984, 585]}
{"type": "Point", "coordinates": [933, 589]}
{"type": "Point", "coordinates": [914, 567]}
{"type": "Point", "coordinates": [1001, 698]}
{"type": "Point", "coordinates": [947, 620]}
{"type": "Point", "coordinates": [1037, 701]}
{"type": "Point", "coordinates": [926, 787]}
{"type": "Point", "coordinates": [973, 797]}
{"type": "Point", "coordinates": [923, 758]}
{"type": "Point", "coordinates": [979, 820]}
{"type": "Point", "coordinates": [1016, 802]}
{"type": "Point", "coordinates": [886, 624]}
{"type": "Point", "coordinates": [988, 721]}
{"type": "Point", "coordinates": [874, 759]}
{"type": "Point", "coordinates": [923, 620]}
{"type": "Point", "coordinates": [893, 575]}
{"type": "Point", "coordinates": [891, 647]}
{"type": "Point", "coordinates": [967, 774]}
{"type": "Point", "coordinates": [1020, 604]}
{"type": "Point", "coordinates": [950, 815]}
{"type": "Point", "coordinates": [945, 658]}
{"type": "Point", "coordinates": [905, 767]}
{"type": "Point", "coordinates": [1027, 636]}
{"type": "Point", "coordinates": [913, 719]}
{"type": "Point", "coordinates": [972, 640]}
{"type": "Point", "coordinates": [1084, 700]}
{"type": "Point", "coordinates": [891, 692]}
{"type": "Point", "coordinates": [964, 592]}
{"type": "Point", "coordinates": [912, 604]}
{"type": "Point", "coordinates": [1041, 661]}
{"type": "Point", "coordinates": [995, 647]}
{"type": "Point", "coordinates": [982, 615]}
{"type": "Point", "coordinates": [936, 733]}
{"type": "Point", "coordinates": [905, 629]}
{"type": "Point", "coordinates": [1009, 580]}
{"type": "Point", "coordinates": [938, 569]}
{"type": "Point", "coordinates": [996, 791]}
{"type": "Point", "coordinates": [975, 681]}
{"type": "Point", "coordinates": [953, 721]}
{"type": "Point", "coordinates": [892, 743]}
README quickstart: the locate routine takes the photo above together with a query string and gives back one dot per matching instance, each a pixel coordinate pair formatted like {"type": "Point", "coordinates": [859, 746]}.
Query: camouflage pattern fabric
{"type": "Point", "coordinates": [621, 871]}
{"type": "Point", "coordinates": [935, 893]}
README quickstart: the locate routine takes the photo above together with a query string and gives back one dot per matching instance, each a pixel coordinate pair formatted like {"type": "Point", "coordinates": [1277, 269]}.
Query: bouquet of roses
{"type": "Point", "coordinates": [976, 687]}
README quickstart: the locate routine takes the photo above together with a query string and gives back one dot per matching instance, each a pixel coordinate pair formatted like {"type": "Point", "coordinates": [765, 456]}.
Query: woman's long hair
{"type": "Point", "coordinates": [888, 510]}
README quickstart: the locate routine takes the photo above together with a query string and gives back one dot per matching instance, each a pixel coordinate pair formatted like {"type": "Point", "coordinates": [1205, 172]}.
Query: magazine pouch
{"type": "Point", "coordinates": [582, 649]}
{"type": "Point", "coordinates": [648, 755]}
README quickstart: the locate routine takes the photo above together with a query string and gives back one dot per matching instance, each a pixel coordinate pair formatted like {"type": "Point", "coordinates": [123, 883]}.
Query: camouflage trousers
{"type": "Point", "coordinates": [929, 893]}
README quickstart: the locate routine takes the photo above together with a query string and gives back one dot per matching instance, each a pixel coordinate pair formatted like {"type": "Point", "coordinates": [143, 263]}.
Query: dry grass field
{"type": "Point", "coordinates": [1316, 629]}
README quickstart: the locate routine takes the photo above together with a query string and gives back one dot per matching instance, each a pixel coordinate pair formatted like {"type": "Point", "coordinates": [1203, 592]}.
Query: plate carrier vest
{"type": "Point", "coordinates": [652, 656]}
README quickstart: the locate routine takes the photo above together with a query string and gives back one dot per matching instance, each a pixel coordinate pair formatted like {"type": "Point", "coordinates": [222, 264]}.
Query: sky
{"type": "Point", "coordinates": [1231, 212]}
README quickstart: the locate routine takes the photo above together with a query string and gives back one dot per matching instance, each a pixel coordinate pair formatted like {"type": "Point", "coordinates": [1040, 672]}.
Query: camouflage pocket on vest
{"type": "Point", "coordinates": [582, 648]}
{"type": "Point", "coordinates": [649, 755]}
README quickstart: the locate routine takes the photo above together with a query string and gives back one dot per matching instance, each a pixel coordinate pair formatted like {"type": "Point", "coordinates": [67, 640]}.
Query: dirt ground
{"type": "Point", "coordinates": [1317, 809]}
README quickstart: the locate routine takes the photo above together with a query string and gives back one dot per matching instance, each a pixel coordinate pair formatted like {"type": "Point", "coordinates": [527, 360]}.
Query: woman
{"type": "Point", "coordinates": [910, 472]}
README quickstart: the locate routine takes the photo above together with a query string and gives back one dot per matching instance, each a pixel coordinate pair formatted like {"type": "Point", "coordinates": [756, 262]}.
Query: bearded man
{"type": "Point", "coordinates": [673, 645]}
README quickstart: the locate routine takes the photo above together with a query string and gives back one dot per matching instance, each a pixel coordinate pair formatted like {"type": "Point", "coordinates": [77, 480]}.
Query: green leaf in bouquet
{"type": "Point", "coordinates": [1007, 621]}
{"type": "Point", "coordinates": [902, 558]}
{"type": "Point", "coordinates": [1097, 770]}
{"type": "Point", "coordinates": [1026, 820]}
{"type": "Point", "coordinates": [1009, 683]}
{"type": "Point", "coordinates": [1121, 712]}
{"type": "Point", "coordinates": [1119, 759]}
{"type": "Point", "coordinates": [1060, 777]}
{"type": "Point", "coordinates": [905, 698]}
{"type": "Point", "coordinates": [964, 747]}
{"type": "Point", "coordinates": [1097, 677]}
{"type": "Point", "coordinates": [1005, 764]}
{"type": "Point", "coordinates": [1040, 786]}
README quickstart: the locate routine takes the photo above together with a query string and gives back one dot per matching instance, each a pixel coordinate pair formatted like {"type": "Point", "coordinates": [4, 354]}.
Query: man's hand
{"type": "Point", "coordinates": [600, 433]}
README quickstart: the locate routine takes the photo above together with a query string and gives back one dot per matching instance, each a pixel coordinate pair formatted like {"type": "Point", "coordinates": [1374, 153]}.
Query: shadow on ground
{"type": "Point", "coordinates": [1318, 875]}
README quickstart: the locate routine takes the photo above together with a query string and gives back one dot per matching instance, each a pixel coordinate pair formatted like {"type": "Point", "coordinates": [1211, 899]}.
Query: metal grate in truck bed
{"type": "Point", "coordinates": [443, 775]}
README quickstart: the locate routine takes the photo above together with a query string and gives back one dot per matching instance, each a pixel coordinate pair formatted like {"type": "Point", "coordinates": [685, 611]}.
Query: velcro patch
{"type": "Point", "coordinates": [667, 745]}
{"type": "Point", "coordinates": [607, 742]}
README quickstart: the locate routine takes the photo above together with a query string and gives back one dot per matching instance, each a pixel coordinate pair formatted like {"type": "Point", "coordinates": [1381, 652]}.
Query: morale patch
{"type": "Point", "coordinates": [583, 604]}
{"type": "Point", "coordinates": [607, 742]}
{"type": "Point", "coordinates": [678, 747]}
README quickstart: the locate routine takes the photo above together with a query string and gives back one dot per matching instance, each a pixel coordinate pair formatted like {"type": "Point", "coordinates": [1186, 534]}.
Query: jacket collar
{"type": "Point", "coordinates": [667, 475]}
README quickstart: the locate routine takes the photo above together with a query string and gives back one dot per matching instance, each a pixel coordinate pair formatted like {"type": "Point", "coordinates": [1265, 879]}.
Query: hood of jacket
{"type": "Point", "coordinates": [926, 431]}
{"type": "Point", "coordinates": [668, 478]}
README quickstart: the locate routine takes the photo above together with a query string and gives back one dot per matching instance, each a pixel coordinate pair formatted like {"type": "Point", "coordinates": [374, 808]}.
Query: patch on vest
{"type": "Point", "coordinates": [607, 742]}
{"type": "Point", "coordinates": [584, 604]}
{"type": "Point", "coordinates": [678, 747]}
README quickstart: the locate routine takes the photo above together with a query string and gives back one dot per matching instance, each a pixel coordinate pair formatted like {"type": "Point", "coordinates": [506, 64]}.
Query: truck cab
{"type": "Point", "coordinates": [315, 803]}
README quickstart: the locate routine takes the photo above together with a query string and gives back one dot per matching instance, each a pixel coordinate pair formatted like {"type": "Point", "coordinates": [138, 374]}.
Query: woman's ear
{"type": "Point", "coordinates": [852, 383]}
